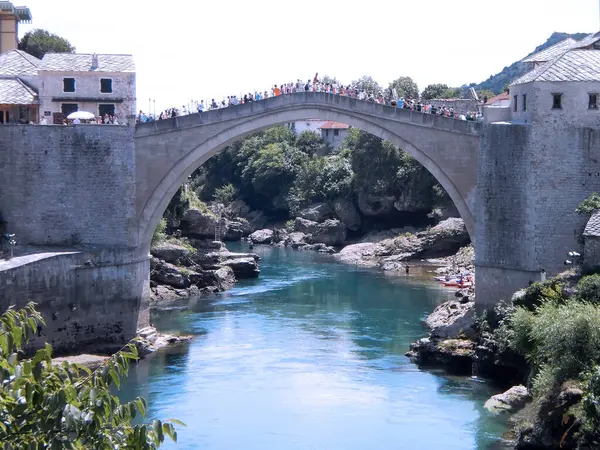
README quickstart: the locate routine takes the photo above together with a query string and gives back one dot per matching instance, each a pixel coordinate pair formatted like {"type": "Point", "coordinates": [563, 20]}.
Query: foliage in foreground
{"type": "Point", "coordinates": [558, 332]}
{"type": "Point", "coordinates": [66, 406]}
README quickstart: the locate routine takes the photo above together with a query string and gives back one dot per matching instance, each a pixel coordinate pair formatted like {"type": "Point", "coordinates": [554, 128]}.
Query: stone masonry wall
{"type": "Point", "coordinates": [91, 300]}
{"type": "Point", "coordinates": [68, 185]}
{"type": "Point", "coordinates": [530, 180]}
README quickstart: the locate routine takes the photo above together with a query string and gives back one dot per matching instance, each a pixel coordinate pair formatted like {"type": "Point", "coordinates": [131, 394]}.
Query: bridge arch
{"type": "Point", "coordinates": [185, 143]}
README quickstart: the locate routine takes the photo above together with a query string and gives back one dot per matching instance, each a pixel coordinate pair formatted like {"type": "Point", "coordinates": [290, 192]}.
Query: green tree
{"type": "Point", "coordinates": [433, 91]}
{"type": "Point", "coordinates": [309, 142]}
{"type": "Point", "coordinates": [367, 84]}
{"type": "Point", "coordinates": [589, 205]}
{"type": "Point", "coordinates": [66, 406]}
{"type": "Point", "coordinates": [405, 87]}
{"type": "Point", "coordinates": [483, 93]}
{"type": "Point", "coordinates": [225, 194]}
{"type": "Point", "coordinates": [39, 42]}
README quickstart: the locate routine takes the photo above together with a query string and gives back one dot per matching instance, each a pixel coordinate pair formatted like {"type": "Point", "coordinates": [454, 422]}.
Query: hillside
{"type": "Point", "coordinates": [496, 83]}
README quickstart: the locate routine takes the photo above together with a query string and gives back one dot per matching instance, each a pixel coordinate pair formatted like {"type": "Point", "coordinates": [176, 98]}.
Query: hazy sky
{"type": "Point", "coordinates": [197, 49]}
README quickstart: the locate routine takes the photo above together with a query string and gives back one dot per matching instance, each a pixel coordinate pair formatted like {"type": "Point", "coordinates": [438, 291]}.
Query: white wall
{"type": "Point", "coordinates": [574, 111]}
{"type": "Point", "coordinates": [87, 85]}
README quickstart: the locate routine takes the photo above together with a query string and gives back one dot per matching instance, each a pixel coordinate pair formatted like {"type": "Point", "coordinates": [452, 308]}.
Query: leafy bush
{"type": "Point", "coordinates": [562, 339]}
{"type": "Point", "coordinates": [540, 292]}
{"type": "Point", "coordinates": [66, 406]}
{"type": "Point", "coordinates": [289, 226]}
{"type": "Point", "coordinates": [591, 400]}
{"type": "Point", "coordinates": [160, 232]}
{"type": "Point", "coordinates": [588, 289]}
{"type": "Point", "coordinates": [225, 194]}
{"type": "Point", "coordinates": [589, 205]}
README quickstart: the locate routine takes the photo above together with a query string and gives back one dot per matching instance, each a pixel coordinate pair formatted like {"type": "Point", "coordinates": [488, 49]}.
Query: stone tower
{"type": "Point", "coordinates": [10, 17]}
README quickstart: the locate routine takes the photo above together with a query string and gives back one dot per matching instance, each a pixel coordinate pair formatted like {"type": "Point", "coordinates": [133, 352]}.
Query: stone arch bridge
{"type": "Point", "coordinates": [92, 195]}
{"type": "Point", "coordinates": [168, 151]}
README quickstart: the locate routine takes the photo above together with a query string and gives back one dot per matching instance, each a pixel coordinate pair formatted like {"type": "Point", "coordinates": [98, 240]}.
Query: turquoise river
{"type": "Point", "coordinates": [311, 356]}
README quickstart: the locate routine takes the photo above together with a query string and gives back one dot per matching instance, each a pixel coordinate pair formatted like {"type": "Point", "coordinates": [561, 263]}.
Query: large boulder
{"type": "Point", "coordinates": [375, 205]}
{"type": "Point", "coordinates": [262, 236]}
{"type": "Point", "coordinates": [242, 267]}
{"type": "Point", "coordinates": [455, 355]}
{"type": "Point", "coordinates": [445, 238]}
{"type": "Point", "coordinates": [256, 220]}
{"type": "Point", "coordinates": [347, 213]}
{"type": "Point", "coordinates": [512, 400]}
{"type": "Point", "coordinates": [359, 254]}
{"type": "Point", "coordinates": [330, 232]}
{"type": "Point", "coordinates": [452, 320]}
{"type": "Point", "coordinates": [317, 212]}
{"type": "Point", "coordinates": [198, 223]}
{"type": "Point", "coordinates": [234, 230]}
{"type": "Point", "coordinates": [170, 252]}
{"type": "Point", "coordinates": [164, 273]}
{"type": "Point", "coordinates": [296, 239]}
{"type": "Point", "coordinates": [305, 226]}
{"type": "Point", "coordinates": [219, 280]}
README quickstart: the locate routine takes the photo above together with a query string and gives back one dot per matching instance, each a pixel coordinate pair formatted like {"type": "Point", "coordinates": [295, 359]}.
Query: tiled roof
{"type": "Point", "coordinates": [334, 125]}
{"type": "Point", "coordinates": [588, 40]}
{"type": "Point", "coordinates": [593, 226]}
{"type": "Point", "coordinates": [17, 62]}
{"type": "Point", "coordinates": [552, 52]}
{"type": "Point", "coordinates": [575, 65]}
{"type": "Point", "coordinates": [497, 98]}
{"type": "Point", "coordinates": [14, 92]}
{"type": "Point", "coordinates": [76, 62]}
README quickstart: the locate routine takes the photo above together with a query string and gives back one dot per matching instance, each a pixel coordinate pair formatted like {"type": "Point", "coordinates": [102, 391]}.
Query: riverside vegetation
{"type": "Point", "coordinates": [545, 340]}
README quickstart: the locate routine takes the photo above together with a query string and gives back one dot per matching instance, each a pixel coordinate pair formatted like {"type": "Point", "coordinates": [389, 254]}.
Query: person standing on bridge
{"type": "Point", "coordinates": [276, 91]}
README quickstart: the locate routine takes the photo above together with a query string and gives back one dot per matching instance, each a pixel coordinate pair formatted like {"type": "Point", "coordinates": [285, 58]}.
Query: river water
{"type": "Point", "coordinates": [311, 356]}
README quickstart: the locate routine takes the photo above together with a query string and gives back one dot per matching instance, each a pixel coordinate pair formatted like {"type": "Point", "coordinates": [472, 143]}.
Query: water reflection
{"type": "Point", "coordinates": [310, 355]}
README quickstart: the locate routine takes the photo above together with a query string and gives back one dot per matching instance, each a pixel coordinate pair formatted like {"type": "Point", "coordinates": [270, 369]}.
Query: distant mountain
{"type": "Point", "coordinates": [496, 83]}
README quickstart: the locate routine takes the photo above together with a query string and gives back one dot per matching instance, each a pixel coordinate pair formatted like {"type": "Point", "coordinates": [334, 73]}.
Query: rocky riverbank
{"type": "Point", "coordinates": [547, 395]}
{"type": "Point", "coordinates": [444, 239]}
{"type": "Point", "coordinates": [183, 267]}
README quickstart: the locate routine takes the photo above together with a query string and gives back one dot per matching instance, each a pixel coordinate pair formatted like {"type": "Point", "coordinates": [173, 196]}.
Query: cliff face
{"type": "Point", "coordinates": [498, 82]}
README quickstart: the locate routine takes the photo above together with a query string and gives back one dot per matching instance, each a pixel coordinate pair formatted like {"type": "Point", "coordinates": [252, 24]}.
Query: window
{"type": "Point", "coordinates": [326, 132]}
{"type": "Point", "coordinates": [68, 84]}
{"type": "Point", "coordinates": [593, 101]}
{"type": "Point", "coordinates": [556, 101]}
{"type": "Point", "coordinates": [4, 117]}
{"type": "Point", "coordinates": [23, 114]}
{"type": "Point", "coordinates": [336, 132]}
{"type": "Point", "coordinates": [515, 103]}
{"type": "Point", "coordinates": [106, 85]}
{"type": "Point", "coordinates": [524, 102]}
{"type": "Point", "coordinates": [68, 108]}
{"type": "Point", "coordinates": [106, 109]}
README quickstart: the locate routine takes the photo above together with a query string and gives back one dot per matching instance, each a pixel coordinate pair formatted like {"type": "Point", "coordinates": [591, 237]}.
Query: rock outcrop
{"type": "Point", "coordinates": [511, 401]}
{"type": "Point", "coordinates": [193, 267]}
{"type": "Point", "coordinates": [317, 212]}
{"type": "Point", "coordinates": [305, 226]}
{"type": "Point", "coordinates": [453, 319]}
{"type": "Point", "coordinates": [389, 254]}
{"type": "Point", "coordinates": [198, 223]}
{"type": "Point", "coordinates": [347, 213]}
{"type": "Point", "coordinates": [331, 232]}
{"type": "Point", "coordinates": [262, 236]}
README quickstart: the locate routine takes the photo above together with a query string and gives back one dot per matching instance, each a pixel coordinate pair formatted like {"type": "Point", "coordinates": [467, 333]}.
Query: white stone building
{"type": "Point", "coordinates": [61, 83]}
{"type": "Point", "coordinates": [99, 84]}
{"type": "Point", "coordinates": [306, 125]}
{"type": "Point", "coordinates": [333, 133]}
{"type": "Point", "coordinates": [562, 89]}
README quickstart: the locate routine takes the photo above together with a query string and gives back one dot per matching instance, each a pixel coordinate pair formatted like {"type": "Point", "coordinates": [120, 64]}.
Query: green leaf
{"type": "Point", "coordinates": [115, 378]}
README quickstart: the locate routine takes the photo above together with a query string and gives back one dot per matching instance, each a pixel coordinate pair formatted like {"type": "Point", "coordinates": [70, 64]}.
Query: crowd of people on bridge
{"type": "Point", "coordinates": [315, 84]}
